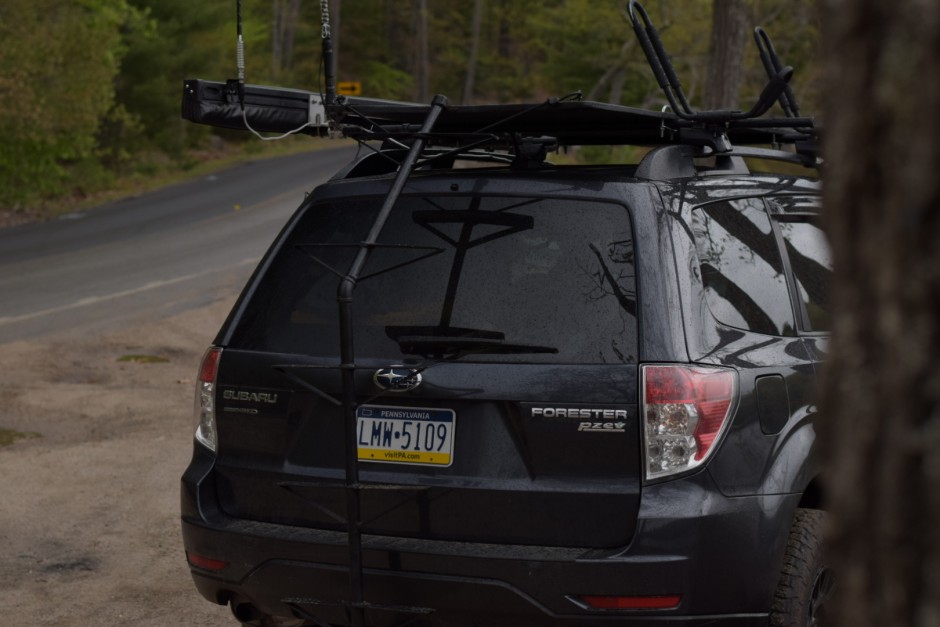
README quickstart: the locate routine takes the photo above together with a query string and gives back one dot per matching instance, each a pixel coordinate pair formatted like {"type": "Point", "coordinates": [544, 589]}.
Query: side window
{"type": "Point", "coordinates": [742, 273]}
{"type": "Point", "coordinates": [808, 252]}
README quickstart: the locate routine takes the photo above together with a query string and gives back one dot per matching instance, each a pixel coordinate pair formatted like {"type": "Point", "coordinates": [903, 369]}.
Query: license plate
{"type": "Point", "coordinates": [405, 435]}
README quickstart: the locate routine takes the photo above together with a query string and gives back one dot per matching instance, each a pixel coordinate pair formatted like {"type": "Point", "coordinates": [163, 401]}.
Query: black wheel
{"type": "Point", "coordinates": [806, 579]}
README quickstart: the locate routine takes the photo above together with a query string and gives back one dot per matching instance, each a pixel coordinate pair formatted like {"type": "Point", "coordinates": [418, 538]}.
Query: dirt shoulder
{"type": "Point", "coordinates": [89, 530]}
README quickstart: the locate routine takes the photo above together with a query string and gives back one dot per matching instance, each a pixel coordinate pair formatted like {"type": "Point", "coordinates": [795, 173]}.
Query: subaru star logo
{"type": "Point", "coordinates": [397, 378]}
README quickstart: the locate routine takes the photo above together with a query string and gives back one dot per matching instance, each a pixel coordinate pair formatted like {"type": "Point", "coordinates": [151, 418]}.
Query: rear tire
{"type": "Point", "coordinates": [806, 579]}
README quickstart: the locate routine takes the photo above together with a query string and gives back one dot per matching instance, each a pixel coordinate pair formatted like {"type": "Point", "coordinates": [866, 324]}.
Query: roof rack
{"type": "Point", "coordinates": [521, 127]}
{"type": "Point", "coordinates": [571, 122]}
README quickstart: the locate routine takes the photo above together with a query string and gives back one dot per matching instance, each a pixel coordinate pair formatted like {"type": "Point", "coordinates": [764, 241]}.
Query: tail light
{"type": "Point", "coordinates": [685, 411]}
{"type": "Point", "coordinates": [663, 602]}
{"type": "Point", "coordinates": [205, 563]}
{"type": "Point", "coordinates": [206, 433]}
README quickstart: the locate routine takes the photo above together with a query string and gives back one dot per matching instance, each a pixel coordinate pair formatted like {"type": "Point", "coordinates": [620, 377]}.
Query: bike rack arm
{"type": "Point", "coordinates": [344, 298]}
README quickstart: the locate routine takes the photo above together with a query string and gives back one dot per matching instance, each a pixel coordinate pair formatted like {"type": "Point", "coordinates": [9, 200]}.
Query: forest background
{"type": "Point", "coordinates": [91, 88]}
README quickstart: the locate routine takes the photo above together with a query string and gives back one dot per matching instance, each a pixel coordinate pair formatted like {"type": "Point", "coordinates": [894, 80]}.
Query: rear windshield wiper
{"type": "Point", "coordinates": [452, 342]}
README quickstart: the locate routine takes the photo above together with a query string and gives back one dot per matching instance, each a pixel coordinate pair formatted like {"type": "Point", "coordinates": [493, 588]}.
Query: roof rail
{"type": "Point", "coordinates": [679, 161]}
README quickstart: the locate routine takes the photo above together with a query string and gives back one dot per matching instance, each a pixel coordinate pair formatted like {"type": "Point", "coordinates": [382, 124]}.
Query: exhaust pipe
{"type": "Point", "coordinates": [246, 612]}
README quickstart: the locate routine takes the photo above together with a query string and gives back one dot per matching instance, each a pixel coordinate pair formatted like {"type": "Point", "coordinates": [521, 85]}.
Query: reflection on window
{"type": "Point", "coordinates": [741, 268]}
{"type": "Point", "coordinates": [486, 278]}
{"type": "Point", "coordinates": [812, 268]}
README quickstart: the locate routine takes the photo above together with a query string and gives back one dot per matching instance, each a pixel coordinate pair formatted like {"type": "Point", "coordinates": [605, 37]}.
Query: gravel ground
{"type": "Point", "coordinates": [89, 504]}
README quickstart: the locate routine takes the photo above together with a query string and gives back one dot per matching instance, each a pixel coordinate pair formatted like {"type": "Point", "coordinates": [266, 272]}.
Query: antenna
{"type": "Point", "coordinates": [329, 71]}
{"type": "Point", "coordinates": [240, 54]}
{"type": "Point", "coordinates": [314, 114]}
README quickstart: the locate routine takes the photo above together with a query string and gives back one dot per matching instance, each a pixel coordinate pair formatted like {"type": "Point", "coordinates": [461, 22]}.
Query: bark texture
{"type": "Point", "coordinates": [284, 30]}
{"type": "Point", "coordinates": [422, 53]}
{"type": "Point", "coordinates": [726, 56]}
{"type": "Point", "coordinates": [475, 28]}
{"type": "Point", "coordinates": [336, 14]}
{"type": "Point", "coordinates": [882, 390]}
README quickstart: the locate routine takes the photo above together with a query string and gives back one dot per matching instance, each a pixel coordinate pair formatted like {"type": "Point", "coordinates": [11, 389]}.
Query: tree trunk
{"type": "Point", "coordinates": [284, 28]}
{"type": "Point", "coordinates": [504, 40]}
{"type": "Point", "coordinates": [336, 7]}
{"type": "Point", "coordinates": [474, 51]}
{"type": "Point", "coordinates": [882, 390]}
{"type": "Point", "coordinates": [726, 56]}
{"type": "Point", "coordinates": [277, 46]}
{"type": "Point", "coordinates": [290, 32]}
{"type": "Point", "coordinates": [422, 61]}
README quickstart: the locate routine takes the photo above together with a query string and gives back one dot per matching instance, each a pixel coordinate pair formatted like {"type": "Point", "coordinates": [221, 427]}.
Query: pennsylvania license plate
{"type": "Point", "coordinates": [405, 435]}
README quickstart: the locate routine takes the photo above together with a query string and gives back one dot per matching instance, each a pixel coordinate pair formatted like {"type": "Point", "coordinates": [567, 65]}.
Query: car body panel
{"type": "Point", "coordinates": [533, 512]}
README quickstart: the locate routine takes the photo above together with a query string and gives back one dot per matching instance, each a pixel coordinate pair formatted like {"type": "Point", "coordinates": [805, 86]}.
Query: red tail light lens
{"type": "Point", "coordinates": [205, 563]}
{"type": "Point", "coordinates": [685, 411]}
{"type": "Point", "coordinates": [205, 399]}
{"type": "Point", "coordinates": [632, 603]}
{"type": "Point", "coordinates": [210, 365]}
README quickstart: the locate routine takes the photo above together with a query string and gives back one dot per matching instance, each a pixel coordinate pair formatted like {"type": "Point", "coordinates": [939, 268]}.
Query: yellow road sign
{"type": "Point", "coordinates": [349, 88]}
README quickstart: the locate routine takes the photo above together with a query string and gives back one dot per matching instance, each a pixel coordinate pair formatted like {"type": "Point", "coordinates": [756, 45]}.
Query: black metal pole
{"type": "Point", "coordinates": [240, 54]}
{"type": "Point", "coordinates": [344, 298]}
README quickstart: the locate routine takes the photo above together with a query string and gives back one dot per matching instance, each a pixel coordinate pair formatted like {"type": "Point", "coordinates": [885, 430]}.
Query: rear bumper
{"type": "Point", "coordinates": [720, 555]}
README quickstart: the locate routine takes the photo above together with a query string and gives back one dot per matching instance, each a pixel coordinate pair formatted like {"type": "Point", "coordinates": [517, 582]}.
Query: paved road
{"type": "Point", "coordinates": [152, 255]}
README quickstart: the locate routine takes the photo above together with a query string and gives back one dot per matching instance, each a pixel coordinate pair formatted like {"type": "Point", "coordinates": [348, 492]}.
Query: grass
{"type": "Point", "coordinates": [159, 171]}
{"type": "Point", "coordinates": [144, 359]}
{"type": "Point", "coordinates": [8, 436]}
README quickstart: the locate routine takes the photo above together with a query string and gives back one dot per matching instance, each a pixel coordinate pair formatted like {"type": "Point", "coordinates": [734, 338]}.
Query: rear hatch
{"type": "Point", "coordinates": [496, 374]}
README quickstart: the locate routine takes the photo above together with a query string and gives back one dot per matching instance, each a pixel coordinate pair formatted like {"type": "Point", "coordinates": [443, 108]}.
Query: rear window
{"type": "Point", "coordinates": [479, 278]}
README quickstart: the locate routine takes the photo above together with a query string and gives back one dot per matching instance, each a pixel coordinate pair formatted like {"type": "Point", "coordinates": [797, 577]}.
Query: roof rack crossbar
{"type": "Point", "coordinates": [673, 162]}
{"type": "Point", "coordinates": [454, 152]}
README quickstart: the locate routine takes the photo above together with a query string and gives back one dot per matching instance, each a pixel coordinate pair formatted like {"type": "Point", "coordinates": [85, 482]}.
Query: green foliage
{"type": "Point", "coordinates": [168, 42]}
{"type": "Point", "coordinates": [579, 42]}
{"type": "Point", "coordinates": [144, 359]}
{"type": "Point", "coordinates": [384, 81]}
{"type": "Point", "coordinates": [8, 436]}
{"type": "Point", "coordinates": [794, 26]}
{"type": "Point", "coordinates": [59, 61]}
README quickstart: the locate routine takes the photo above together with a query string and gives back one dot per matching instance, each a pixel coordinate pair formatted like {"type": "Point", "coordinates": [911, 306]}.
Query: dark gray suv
{"type": "Point", "coordinates": [469, 387]}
